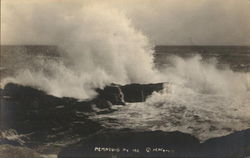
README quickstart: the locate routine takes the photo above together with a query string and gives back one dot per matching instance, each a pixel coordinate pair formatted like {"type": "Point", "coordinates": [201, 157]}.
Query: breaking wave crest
{"type": "Point", "coordinates": [100, 46]}
{"type": "Point", "coordinates": [200, 99]}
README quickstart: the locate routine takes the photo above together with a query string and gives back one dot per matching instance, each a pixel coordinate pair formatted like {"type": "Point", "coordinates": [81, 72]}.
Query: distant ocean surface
{"type": "Point", "coordinates": [236, 57]}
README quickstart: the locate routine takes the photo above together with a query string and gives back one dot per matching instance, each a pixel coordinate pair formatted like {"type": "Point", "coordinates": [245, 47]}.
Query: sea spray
{"type": "Point", "coordinates": [205, 77]}
{"type": "Point", "coordinates": [200, 99]}
{"type": "Point", "coordinates": [100, 46]}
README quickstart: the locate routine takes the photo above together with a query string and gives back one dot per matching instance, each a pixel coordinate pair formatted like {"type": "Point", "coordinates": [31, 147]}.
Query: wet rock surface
{"type": "Point", "coordinates": [8, 151]}
{"type": "Point", "coordinates": [41, 118]}
{"type": "Point", "coordinates": [125, 143]}
{"type": "Point", "coordinates": [29, 110]}
{"type": "Point", "coordinates": [128, 143]}
{"type": "Point", "coordinates": [139, 92]}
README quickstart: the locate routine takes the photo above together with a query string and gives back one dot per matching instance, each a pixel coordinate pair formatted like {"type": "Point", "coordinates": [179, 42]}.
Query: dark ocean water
{"type": "Point", "coordinates": [237, 57]}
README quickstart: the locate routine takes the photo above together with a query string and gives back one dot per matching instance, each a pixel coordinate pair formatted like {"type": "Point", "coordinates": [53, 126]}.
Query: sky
{"type": "Point", "coordinates": [164, 22]}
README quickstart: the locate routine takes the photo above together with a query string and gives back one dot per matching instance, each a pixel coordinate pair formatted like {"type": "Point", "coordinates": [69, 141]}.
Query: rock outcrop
{"type": "Point", "coordinates": [8, 151]}
{"type": "Point", "coordinates": [29, 110]}
{"type": "Point", "coordinates": [111, 93]}
{"type": "Point", "coordinates": [119, 95]}
{"type": "Point", "coordinates": [139, 92]}
{"type": "Point", "coordinates": [236, 144]}
{"type": "Point", "coordinates": [45, 118]}
{"type": "Point", "coordinates": [127, 143]}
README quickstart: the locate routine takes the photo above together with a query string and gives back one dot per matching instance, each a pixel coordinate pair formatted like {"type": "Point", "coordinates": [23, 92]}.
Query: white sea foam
{"type": "Point", "coordinates": [12, 135]}
{"type": "Point", "coordinates": [201, 100]}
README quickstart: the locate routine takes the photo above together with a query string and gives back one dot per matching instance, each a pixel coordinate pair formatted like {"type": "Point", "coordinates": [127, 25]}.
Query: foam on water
{"type": "Point", "coordinates": [202, 115]}
{"type": "Point", "coordinates": [201, 100]}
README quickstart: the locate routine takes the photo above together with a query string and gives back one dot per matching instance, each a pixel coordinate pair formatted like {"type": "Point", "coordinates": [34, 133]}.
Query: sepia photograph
{"type": "Point", "coordinates": [125, 79]}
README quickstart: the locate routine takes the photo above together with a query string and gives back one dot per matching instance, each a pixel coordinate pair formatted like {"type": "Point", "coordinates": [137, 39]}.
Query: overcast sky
{"type": "Point", "coordinates": [170, 22]}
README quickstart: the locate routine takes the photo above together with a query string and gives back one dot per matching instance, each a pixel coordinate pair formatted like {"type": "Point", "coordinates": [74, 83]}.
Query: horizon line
{"type": "Point", "coordinates": [157, 45]}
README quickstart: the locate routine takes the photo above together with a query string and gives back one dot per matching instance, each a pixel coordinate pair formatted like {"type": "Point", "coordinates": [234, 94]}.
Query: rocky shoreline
{"type": "Point", "coordinates": [43, 118]}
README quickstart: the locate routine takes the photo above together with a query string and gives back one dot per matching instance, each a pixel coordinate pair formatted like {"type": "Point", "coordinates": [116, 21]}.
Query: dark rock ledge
{"type": "Point", "coordinates": [31, 111]}
{"type": "Point", "coordinates": [159, 144]}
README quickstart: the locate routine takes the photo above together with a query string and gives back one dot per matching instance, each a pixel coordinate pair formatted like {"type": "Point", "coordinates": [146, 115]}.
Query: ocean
{"type": "Point", "coordinates": [206, 93]}
{"type": "Point", "coordinates": [204, 97]}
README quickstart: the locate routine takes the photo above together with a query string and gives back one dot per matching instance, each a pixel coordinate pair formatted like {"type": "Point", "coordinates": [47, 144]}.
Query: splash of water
{"type": "Point", "coordinates": [100, 47]}
{"type": "Point", "coordinates": [201, 100]}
